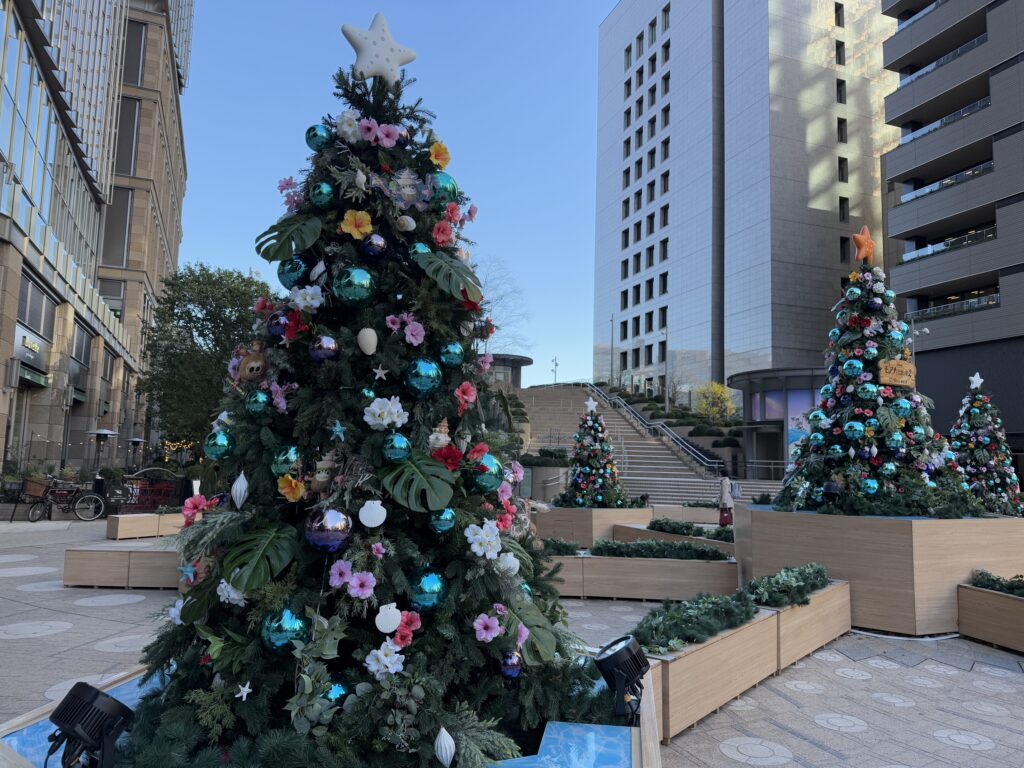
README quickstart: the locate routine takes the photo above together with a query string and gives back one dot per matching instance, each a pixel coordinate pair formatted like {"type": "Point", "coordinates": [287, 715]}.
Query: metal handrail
{"type": "Point", "coordinates": [952, 243]}
{"type": "Point", "coordinates": [942, 122]}
{"type": "Point", "coordinates": [919, 15]}
{"type": "Point", "coordinates": [950, 181]}
{"type": "Point", "coordinates": [942, 60]}
{"type": "Point", "coordinates": [955, 307]}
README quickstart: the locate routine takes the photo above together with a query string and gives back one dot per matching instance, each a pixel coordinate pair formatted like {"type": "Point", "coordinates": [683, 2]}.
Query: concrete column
{"type": "Point", "coordinates": [10, 281]}
{"type": "Point", "coordinates": [718, 191]}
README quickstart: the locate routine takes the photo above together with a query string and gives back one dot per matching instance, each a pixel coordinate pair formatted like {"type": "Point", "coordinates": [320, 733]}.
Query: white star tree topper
{"type": "Point", "coordinates": [377, 53]}
{"type": "Point", "coordinates": [591, 405]}
{"type": "Point", "coordinates": [976, 380]}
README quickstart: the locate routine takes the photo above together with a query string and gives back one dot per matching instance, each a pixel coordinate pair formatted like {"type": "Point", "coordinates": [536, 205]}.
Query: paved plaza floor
{"type": "Point", "coordinates": [863, 702]}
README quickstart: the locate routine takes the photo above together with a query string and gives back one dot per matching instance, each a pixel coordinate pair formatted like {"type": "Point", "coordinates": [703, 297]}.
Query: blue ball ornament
{"type": "Point", "coordinates": [488, 474]}
{"type": "Point", "coordinates": [842, 316]}
{"type": "Point", "coordinates": [280, 629]}
{"type": "Point", "coordinates": [826, 392]}
{"type": "Point", "coordinates": [291, 272]}
{"type": "Point", "coordinates": [894, 441]}
{"type": "Point", "coordinates": [445, 190]}
{"type": "Point", "coordinates": [428, 589]}
{"type": "Point", "coordinates": [276, 324]}
{"type": "Point", "coordinates": [511, 665]}
{"type": "Point", "coordinates": [870, 353]}
{"type": "Point", "coordinates": [853, 368]}
{"type": "Point", "coordinates": [374, 245]}
{"type": "Point", "coordinates": [320, 194]}
{"type": "Point", "coordinates": [256, 402]}
{"type": "Point", "coordinates": [834, 335]}
{"type": "Point", "coordinates": [869, 485]}
{"type": "Point", "coordinates": [888, 469]}
{"type": "Point", "coordinates": [965, 487]}
{"type": "Point", "coordinates": [895, 337]}
{"type": "Point", "coordinates": [817, 439]}
{"type": "Point", "coordinates": [452, 354]}
{"type": "Point", "coordinates": [337, 690]}
{"type": "Point", "coordinates": [889, 296]}
{"type": "Point", "coordinates": [871, 423]}
{"type": "Point", "coordinates": [218, 445]}
{"type": "Point", "coordinates": [853, 293]}
{"type": "Point", "coordinates": [396, 448]}
{"type": "Point", "coordinates": [353, 286]}
{"type": "Point", "coordinates": [845, 400]}
{"type": "Point", "coordinates": [919, 433]}
{"type": "Point", "coordinates": [318, 137]}
{"type": "Point", "coordinates": [328, 530]}
{"type": "Point", "coordinates": [324, 348]}
{"type": "Point", "coordinates": [285, 460]}
{"type": "Point", "coordinates": [867, 391]}
{"type": "Point", "coordinates": [854, 430]}
{"type": "Point", "coordinates": [816, 417]}
{"type": "Point", "coordinates": [901, 407]}
{"type": "Point", "coordinates": [422, 377]}
{"type": "Point", "coordinates": [419, 249]}
{"type": "Point", "coordinates": [833, 371]}
{"type": "Point", "coordinates": [443, 520]}
{"type": "Point", "coordinates": [904, 328]}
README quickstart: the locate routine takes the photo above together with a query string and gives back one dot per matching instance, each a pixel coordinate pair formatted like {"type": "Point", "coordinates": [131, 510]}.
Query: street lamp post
{"type": "Point", "coordinates": [914, 335]}
{"type": "Point", "coordinates": [665, 388]}
{"type": "Point", "coordinates": [611, 357]}
{"type": "Point", "coordinates": [554, 370]}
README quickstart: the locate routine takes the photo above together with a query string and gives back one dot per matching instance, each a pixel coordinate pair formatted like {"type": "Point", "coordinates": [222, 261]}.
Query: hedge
{"type": "Point", "coordinates": [986, 580]}
{"type": "Point", "coordinates": [666, 550]}
{"type": "Point", "coordinates": [560, 547]}
{"type": "Point", "coordinates": [682, 528]}
{"type": "Point", "coordinates": [790, 586]}
{"type": "Point", "coordinates": [675, 625]}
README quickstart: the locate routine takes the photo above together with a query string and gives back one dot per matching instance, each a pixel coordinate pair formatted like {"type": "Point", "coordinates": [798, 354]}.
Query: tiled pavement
{"type": "Point", "coordinates": [864, 702]}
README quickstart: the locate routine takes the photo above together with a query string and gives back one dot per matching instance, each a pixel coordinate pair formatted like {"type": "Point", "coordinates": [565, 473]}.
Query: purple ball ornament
{"type": "Point", "coordinates": [324, 348]}
{"type": "Point", "coordinates": [328, 530]}
{"type": "Point", "coordinates": [276, 324]}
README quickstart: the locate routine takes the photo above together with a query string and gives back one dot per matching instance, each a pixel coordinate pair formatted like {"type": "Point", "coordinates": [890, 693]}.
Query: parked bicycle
{"type": "Point", "coordinates": [67, 497]}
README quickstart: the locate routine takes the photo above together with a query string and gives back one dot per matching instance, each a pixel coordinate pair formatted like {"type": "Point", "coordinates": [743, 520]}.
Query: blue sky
{"type": "Point", "coordinates": [514, 88]}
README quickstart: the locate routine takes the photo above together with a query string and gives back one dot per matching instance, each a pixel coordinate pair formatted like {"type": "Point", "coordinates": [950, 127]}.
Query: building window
{"type": "Point", "coordinates": [625, 239]}
{"type": "Point", "coordinates": [624, 269]}
{"type": "Point", "coordinates": [840, 53]}
{"type": "Point", "coordinates": [662, 317]}
{"type": "Point", "coordinates": [112, 292]}
{"type": "Point", "coordinates": [652, 31]}
{"type": "Point", "coordinates": [840, 91]}
{"type": "Point", "coordinates": [663, 283]}
{"type": "Point", "coordinates": [650, 160]}
{"type": "Point", "coordinates": [127, 137]}
{"type": "Point", "coordinates": [664, 16]}
{"type": "Point", "coordinates": [664, 183]}
{"type": "Point", "coordinates": [637, 234]}
{"type": "Point", "coordinates": [625, 208]}
{"type": "Point", "coordinates": [108, 365]}
{"type": "Point", "coordinates": [639, 77]}
{"type": "Point", "coordinates": [638, 168]}
{"type": "Point", "coordinates": [81, 345]}
{"type": "Point", "coordinates": [664, 149]}
{"type": "Point", "coordinates": [625, 178]}
{"type": "Point", "coordinates": [638, 137]}
{"type": "Point", "coordinates": [627, 118]}
{"type": "Point", "coordinates": [840, 15]}
{"type": "Point", "coordinates": [637, 200]}
{"type": "Point", "coordinates": [652, 64]}
{"type": "Point", "coordinates": [648, 322]}
{"type": "Point", "coordinates": [844, 209]}
{"type": "Point", "coordinates": [639, 45]}
{"type": "Point", "coordinates": [627, 58]}
{"type": "Point", "coordinates": [639, 107]}
{"type": "Point", "coordinates": [664, 83]}
{"type": "Point", "coordinates": [649, 289]}
{"type": "Point", "coordinates": [623, 330]}
{"type": "Point", "coordinates": [624, 299]}
{"type": "Point", "coordinates": [649, 354]}
{"type": "Point", "coordinates": [115, 235]}
{"type": "Point", "coordinates": [652, 126]}
{"type": "Point", "coordinates": [636, 294]}
{"type": "Point", "coordinates": [636, 263]}
{"type": "Point", "coordinates": [844, 250]}
{"type": "Point", "coordinates": [623, 361]}
{"type": "Point", "coordinates": [663, 250]}
{"type": "Point", "coordinates": [843, 172]}
{"type": "Point", "coordinates": [665, 116]}
{"type": "Point", "coordinates": [650, 223]}
{"type": "Point", "coordinates": [134, 53]}
{"type": "Point", "coordinates": [636, 326]}
{"type": "Point", "coordinates": [663, 217]}
{"type": "Point", "coordinates": [650, 191]}
{"type": "Point", "coordinates": [36, 309]}
{"type": "Point", "coordinates": [627, 88]}
{"type": "Point", "coordinates": [661, 352]}
{"type": "Point", "coordinates": [636, 357]}
{"type": "Point", "coordinates": [627, 147]}
{"type": "Point", "coordinates": [666, 49]}
{"type": "Point", "coordinates": [841, 134]}
{"type": "Point", "coordinates": [650, 257]}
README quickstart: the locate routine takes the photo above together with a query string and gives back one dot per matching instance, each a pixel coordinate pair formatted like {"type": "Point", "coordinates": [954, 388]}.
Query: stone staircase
{"type": "Point", "coordinates": [646, 464]}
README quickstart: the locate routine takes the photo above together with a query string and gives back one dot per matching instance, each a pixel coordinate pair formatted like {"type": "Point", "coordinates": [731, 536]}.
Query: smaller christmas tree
{"type": "Point", "coordinates": [978, 439]}
{"type": "Point", "coordinates": [594, 478]}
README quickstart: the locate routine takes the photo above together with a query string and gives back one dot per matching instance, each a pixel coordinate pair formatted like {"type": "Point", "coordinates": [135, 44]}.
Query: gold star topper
{"type": "Point", "coordinates": [865, 246]}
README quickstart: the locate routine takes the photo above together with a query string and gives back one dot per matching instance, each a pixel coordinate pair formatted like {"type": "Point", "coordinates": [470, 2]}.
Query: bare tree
{"type": "Point", "coordinates": [505, 303]}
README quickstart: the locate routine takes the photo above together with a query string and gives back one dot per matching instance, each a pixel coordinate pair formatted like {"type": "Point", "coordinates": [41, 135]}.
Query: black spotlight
{"type": "Point", "coordinates": [623, 665]}
{"type": "Point", "coordinates": [88, 723]}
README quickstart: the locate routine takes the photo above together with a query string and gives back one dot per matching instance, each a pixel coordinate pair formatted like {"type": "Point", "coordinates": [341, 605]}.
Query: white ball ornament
{"type": "Point", "coordinates": [367, 341]}
{"type": "Point", "coordinates": [405, 224]}
{"type": "Point", "coordinates": [372, 514]}
{"type": "Point", "coordinates": [388, 618]}
{"type": "Point", "coordinates": [508, 563]}
{"type": "Point", "coordinates": [444, 748]}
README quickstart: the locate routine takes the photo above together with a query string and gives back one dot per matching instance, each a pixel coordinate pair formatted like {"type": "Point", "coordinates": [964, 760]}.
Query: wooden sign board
{"type": "Point", "coordinates": [897, 373]}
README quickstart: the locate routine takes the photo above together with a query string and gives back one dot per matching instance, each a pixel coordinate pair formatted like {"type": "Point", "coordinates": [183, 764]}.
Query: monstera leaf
{"type": "Point", "coordinates": [420, 484]}
{"type": "Point", "coordinates": [288, 237]}
{"type": "Point", "coordinates": [260, 556]}
{"type": "Point", "coordinates": [451, 275]}
{"type": "Point", "coordinates": [541, 645]}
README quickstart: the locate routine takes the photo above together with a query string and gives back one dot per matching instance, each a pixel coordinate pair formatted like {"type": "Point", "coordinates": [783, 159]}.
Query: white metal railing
{"type": "Point", "coordinates": [942, 60]}
{"type": "Point", "coordinates": [942, 122]}
{"type": "Point", "coordinates": [955, 308]}
{"type": "Point", "coordinates": [950, 181]}
{"type": "Point", "coordinates": [952, 243]}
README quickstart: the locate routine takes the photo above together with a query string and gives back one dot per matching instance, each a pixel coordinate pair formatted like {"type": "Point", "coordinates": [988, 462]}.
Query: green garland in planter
{"type": "Point", "coordinates": [560, 547]}
{"type": "Point", "coordinates": [790, 586]}
{"type": "Point", "coordinates": [669, 550]}
{"type": "Point", "coordinates": [683, 528]}
{"type": "Point", "coordinates": [673, 626]}
{"type": "Point", "coordinates": [985, 580]}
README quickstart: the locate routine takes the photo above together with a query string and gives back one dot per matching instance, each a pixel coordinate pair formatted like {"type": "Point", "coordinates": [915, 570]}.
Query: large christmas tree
{"type": "Point", "coordinates": [872, 449]}
{"type": "Point", "coordinates": [593, 477]}
{"type": "Point", "coordinates": [978, 439]}
{"type": "Point", "coordinates": [368, 594]}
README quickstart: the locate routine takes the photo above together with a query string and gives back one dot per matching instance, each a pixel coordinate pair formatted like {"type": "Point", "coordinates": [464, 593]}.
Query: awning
{"type": "Point", "coordinates": [33, 377]}
{"type": "Point", "coordinates": [79, 396]}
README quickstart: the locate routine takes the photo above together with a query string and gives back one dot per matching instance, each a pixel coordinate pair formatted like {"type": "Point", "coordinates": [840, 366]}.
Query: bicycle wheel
{"type": "Point", "coordinates": [88, 506]}
{"type": "Point", "coordinates": [37, 512]}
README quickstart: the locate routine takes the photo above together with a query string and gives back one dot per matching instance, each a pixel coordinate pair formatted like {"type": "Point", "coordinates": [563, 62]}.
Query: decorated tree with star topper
{"type": "Point", "coordinates": [593, 477]}
{"type": "Point", "coordinates": [872, 449]}
{"type": "Point", "coordinates": [368, 593]}
{"type": "Point", "coordinates": [978, 438]}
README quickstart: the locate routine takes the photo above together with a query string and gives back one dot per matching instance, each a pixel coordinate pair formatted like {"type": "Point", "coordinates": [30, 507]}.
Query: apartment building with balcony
{"type": "Point", "coordinates": [955, 194]}
{"type": "Point", "coordinates": [92, 177]}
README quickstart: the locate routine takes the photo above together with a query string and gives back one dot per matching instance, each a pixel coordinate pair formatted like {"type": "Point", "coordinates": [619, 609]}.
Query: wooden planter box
{"type": "Point", "coordinates": [903, 572]}
{"type": "Point", "coordinates": [645, 578]}
{"type": "Point", "coordinates": [707, 676]}
{"type": "Point", "coordinates": [992, 617]}
{"type": "Point", "coordinates": [804, 629]}
{"type": "Point", "coordinates": [586, 525]}
{"type": "Point", "coordinates": [705, 515]}
{"type": "Point", "coordinates": [143, 568]}
{"type": "Point", "coordinates": [571, 575]}
{"type": "Point", "coordinates": [642, 533]}
{"type": "Point", "coordinates": [144, 525]}
{"type": "Point", "coordinates": [170, 525]}
{"type": "Point", "coordinates": [154, 569]}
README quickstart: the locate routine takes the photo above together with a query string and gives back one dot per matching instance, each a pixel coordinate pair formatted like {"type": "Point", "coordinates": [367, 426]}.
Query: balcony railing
{"type": "Point", "coordinates": [952, 243]}
{"type": "Point", "coordinates": [942, 122]}
{"type": "Point", "coordinates": [920, 14]}
{"type": "Point", "coordinates": [968, 46]}
{"type": "Point", "coordinates": [949, 181]}
{"type": "Point", "coordinates": [954, 308]}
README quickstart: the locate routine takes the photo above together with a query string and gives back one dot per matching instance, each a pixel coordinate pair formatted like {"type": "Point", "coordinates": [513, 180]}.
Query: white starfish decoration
{"type": "Point", "coordinates": [377, 53]}
{"type": "Point", "coordinates": [976, 380]}
{"type": "Point", "coordinates": [591, 405]}
{"type": "Point", "coordinates": [380, 373]}
{"type": "Point", "coordinates": [243, 691]}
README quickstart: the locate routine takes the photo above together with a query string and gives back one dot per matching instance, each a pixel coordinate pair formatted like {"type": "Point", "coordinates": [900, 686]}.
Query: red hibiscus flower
{"type": "Point", "coordinates": [504, 522]}
{"type": "Point", "coordinates": [472, 306]}
{"type": "Point", "coordinates": [450, 456]}
{"type": "Point", "coordinates": [411, 620]}
{"type": "Point", "coordinates": [295, 325]}
{"type": "Point", "coordinates": [478, 451]}
{"type": "Point", "coordinates": [403, 636]}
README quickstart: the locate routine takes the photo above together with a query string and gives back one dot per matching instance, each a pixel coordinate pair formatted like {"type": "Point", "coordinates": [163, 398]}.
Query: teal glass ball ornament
{"type": "Point", "coordinates": [256, 402]}
{"type": "Point", "coordinates": [904, 328]}
{"type": "Point", "coordinates": [320, 194]}
{"type": "Point", "coordinates": [869, 485]}
{"type": "Point", "coordinates": [285, 460]}
{"type": "Point", "coordinates": [318, 137]}
{"type": "Point", "coordinates": [419, 249]}
{"type": "Point", "coordinates": [853, 368]}
{"type": "Point", "coordinates": [816, 417]}
{"type": "Point", "coordinates": [932, 484]}
{"type": "Point", "coordinates": [826, 391]}
{"type": "Point", "coordinates": [871, 423]}
{"type": "Point", "coordinates": [218, 445]}
{"type": "Point", "coordinates": [488, 474]}
{"type": "Point", "coordinates": [280, 629]}
{"type": "Point", "coordinates": [835, 452]}
{"type": "Point", "coordinates": [369, 394]}
{"type": "Point", "coordinates": [443, 520]}
{"type": "Point", "coordinates": [422, 377]}
{"type": "Point", "coordinates": [795, 453]}
{"type": "Point", "coordinates": [292, 271]}
{"type": "Point", "coordinates": [853, 293]}
{"type": "Point", "coordinates": [817, 439]}
{"type": "Point", "coordinates": [527, 591]}
{"type": "Point", "coordinates": [919, 433]}
{"type": "Point", "coordinates": [445, 189]}
{"type": "Point", "coordinates": [894, 441]}
{"type": "Point", "coordinates": [889, 296]}
{"type": "Point", "coordinates": [353, 286]}
{"type": "Point", "coordinates": [965, 487]}
{"type": "Point", "coordinates": [870, 353]}
{"type": "Point", "coordinates": [888, 469]}
{"type": "Point", "coordinates": [337, 690]}
{"type": "Point", "coordinates": [901, 407]}
{"type": "Point", "coordinates": [834, 335]}
{"type": "Point", "coordinates": [396, 448]}
{"type": "Point", "coordinates": [867, 391]}
{"type": "Point", "coordinates": [428, 589]}
{"type": "Point", "coordinates": [895, 337]}
{"type": "Point", "coordinates": [452, 354]}
{"type": "Point", "coordinates": [854, 430]}
{"type": "Point", "coordinates": [842, 316]}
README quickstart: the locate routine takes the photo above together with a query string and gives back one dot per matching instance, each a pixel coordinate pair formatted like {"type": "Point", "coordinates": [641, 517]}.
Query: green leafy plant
{"type": "Point", "coordinates": [260, 556]}
{"type": "Point", "coordinates": [560, 547]}
{"type": "Point", "coordinates": [668, 550]}
{"type": "Point", "coordinates": [673, 626]}
{"type": "Point", "coordinates": [286, 238]}
{"type": "Point", "coordinates": [790, 586]}
{"type": "Point", "coordinates": [421, 483]}
{"type": "Point", "coordinates": [678, 527]}
{"type": "Point", "coordinates": [451, 275]}
{"type": "Point", "coordinates": [702, 430]}
{"type": "Point", "coordinates": [985, 580]}
{"type": "Point", "coordinates": [762, 498]}
{"type": "Point", "coordinates": [721, 533]}
{"type": "Point", "coordinates": [725, 442]}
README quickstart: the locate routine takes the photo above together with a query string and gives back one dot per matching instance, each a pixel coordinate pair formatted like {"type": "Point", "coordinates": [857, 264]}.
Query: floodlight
{"type": "Point", "coordinates": [88, 723]}
{"type": "Point", "coordinates": [623, 665]}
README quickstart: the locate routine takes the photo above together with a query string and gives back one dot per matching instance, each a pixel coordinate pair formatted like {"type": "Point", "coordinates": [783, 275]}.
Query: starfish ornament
{"type": "Point", "coordinates": [591, 405]}
{"type": "Point", "coordinates": [976, 380]}
{"type": "Point", "coordinates": [865, 246]}
{"type": "Point", "coordinates": [188, 574]}
{"type": "Point", "coordinates": [338, 431]}
{"type": "Point", "coordinates": [243, 691]}
{"type": "Point", "coordinates": [380, 373]}
{"type": "Point", "coordinates": [377, 53]}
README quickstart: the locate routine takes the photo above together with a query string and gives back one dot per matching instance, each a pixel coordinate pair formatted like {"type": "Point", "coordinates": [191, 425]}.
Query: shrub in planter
{"type": "Point", "coordinates": [703, 430]}
{"type": "Point", "coordinates": [560, 547]}
{"type": "Point", "coordinates": [721, 533]}
{"type": "Point", "coordinates": [790, 586]}
{"type": "Point", "coordinates": [985, 580]}
{"type": "Point", "coordinates": [666, 550]}
{"type": "Point", "coordinates": [726, 442]}
{"type": "Point", "coordinates": [672, 626]}
{"type": "Point", "coordinates": [531, 460]}
{"type": "Point", "coordinates": [736, 432]}
{"type": "Point", "coordinates": [701, 503]}
{"type": "Point", "coordinates": [680, 528]}
{"type": "Point", "coordinates": [763, 498]}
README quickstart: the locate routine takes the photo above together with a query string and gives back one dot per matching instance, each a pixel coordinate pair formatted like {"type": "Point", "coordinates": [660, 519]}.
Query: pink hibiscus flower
{"type": "Point", "coordinates": [518, 473]}
{"type": "Point", "coordinates": [341, 572]}
{"type": "Point", "coordinates": [415, 333]}
{"type": "Point", "coordinates": [452, 212]}
{"type": "Point", "coordinates": [465, 395]}
{"type": "Point", "coordinates": [484, 362]}
{"type": "Point", "coordinates": [361, 584]}
{"type": "Point", "coordinates": [293, 200]}
{"type": "Point", "coordinates": [286, 184]}
{"type": "Point", "coordinates": [411, 620]}
{"type": "Point", "coordinates": [487, 628]}
{"type": "Point", "coordinates": [522, 634]}
{"type": "Point", "coordinates": [500, 609]}
{"type": "Point", "coordinates": [478, 451]}
{"type": "Point", "coordinates": [442, 234]}
{"type": "Point", "coordinates": [387, 135]}
{"type": "Point", "coordinates": [393, 323]}
{"type": "Point", "coordinates": [377, 549]}
{"type": "Point", "coordinates": [369, 130]}
{"type": "Point", "coordinates": [194, 506]}
{"type": "Point", "coordinates": [504, 491]}
{"type": "Point", "coordinates": [471, 213]}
